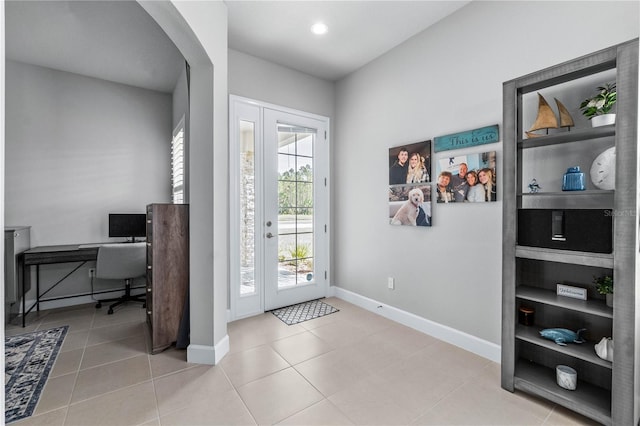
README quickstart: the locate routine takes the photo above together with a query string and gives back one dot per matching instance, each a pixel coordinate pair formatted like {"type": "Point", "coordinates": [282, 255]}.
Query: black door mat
{"type": "Point", "coordinates": [301, 312]}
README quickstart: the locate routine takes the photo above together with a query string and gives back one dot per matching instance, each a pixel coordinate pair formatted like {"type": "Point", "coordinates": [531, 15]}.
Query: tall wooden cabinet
{"type": "Point", "coordinates": [167, 271]}
{"type": "Point", "coordinates": [601, 239]}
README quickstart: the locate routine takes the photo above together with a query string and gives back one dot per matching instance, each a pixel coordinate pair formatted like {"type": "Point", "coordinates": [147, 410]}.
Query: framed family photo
{"type": "Point", "coordinates": [467, 178]}
{"type": "Point", "coordinates": [409, 184]}
{"type": "Point", "coordinates": [410, 163]}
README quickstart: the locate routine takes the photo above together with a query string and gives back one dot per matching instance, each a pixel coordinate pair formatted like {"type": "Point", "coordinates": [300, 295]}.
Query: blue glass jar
{"type": "Point", "coordinates": [573, 180]}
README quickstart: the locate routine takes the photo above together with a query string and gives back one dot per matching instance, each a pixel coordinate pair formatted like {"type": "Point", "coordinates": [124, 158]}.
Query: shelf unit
{"type": "Point", "coordinates": [606, 390]}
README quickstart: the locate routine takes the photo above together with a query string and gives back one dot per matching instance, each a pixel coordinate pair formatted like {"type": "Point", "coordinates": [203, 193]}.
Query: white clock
{"type": "Point", "coordinates": [603, 169]}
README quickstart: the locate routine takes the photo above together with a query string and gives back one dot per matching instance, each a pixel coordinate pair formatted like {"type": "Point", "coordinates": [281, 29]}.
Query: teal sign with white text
{"type": "Point", "coordinates": [466, 139]}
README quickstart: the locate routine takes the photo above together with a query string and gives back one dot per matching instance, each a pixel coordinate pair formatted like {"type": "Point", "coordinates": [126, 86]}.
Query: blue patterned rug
{"type": "Point", "coordinates": [28, 359]}
{"type": "Point", "coordinates": [295, 314]}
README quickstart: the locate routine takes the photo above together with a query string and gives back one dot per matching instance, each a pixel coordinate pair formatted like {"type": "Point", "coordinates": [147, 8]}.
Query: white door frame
{"type": "Point", "coordinates": [241, 108]}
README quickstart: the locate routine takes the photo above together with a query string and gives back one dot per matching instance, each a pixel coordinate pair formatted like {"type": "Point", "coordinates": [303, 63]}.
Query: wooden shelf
{"type": "Point", "coordinates": [593, 307]}
{"type": "Point", "coordinates": [602, 260]}
{"type": "Point", "coordinates": [606, 390]}
{"type": "Point", "coordinates": [568, 137]}
{"type": "Point", "coordinates": [588, 400]}
{"type": "Point", "coordinates": [589, 199]}
{"type": "Point", "coordinates": [584, 351]}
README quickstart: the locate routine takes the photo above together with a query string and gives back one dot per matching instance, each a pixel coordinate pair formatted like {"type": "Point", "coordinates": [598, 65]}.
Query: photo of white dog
{"type": "Point", "coordinates": [408, 212]}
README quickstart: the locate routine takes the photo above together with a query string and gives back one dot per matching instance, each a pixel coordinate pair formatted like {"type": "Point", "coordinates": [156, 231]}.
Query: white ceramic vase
{"type": "Point", "coordinates": [566, 377]}
{"type": "Point", "coordinates": [603, 120]}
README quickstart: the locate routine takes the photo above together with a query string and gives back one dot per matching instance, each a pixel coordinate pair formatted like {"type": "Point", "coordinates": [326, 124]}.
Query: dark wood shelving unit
{"type": "Point", "coordinates": [606, 390]}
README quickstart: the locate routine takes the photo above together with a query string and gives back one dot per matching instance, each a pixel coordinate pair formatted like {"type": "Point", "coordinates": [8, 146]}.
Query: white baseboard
{"type": "Point", "coordinates": [210, 355]}
{"type": "Point", "coordinates": [447, 334]}
{"type": "Point", "coordinates": [222, 348]}
{"type": "Point", "coordinates": [332, 291]}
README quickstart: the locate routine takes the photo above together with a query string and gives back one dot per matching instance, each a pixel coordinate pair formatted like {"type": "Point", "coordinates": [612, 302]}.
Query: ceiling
{"type": "Point", "coordinates": [359, 31]}
{"type": "Point", "coordinates": [118, 41]}
{"type": "Point", "coordinates": [112, 40]}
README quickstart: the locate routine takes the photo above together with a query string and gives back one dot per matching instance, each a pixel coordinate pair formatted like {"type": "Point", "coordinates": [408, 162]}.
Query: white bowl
{"type": "Point", "coordinates": [566, 377]}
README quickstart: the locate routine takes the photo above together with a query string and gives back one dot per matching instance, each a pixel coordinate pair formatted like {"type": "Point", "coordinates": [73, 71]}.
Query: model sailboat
{"type": "Point", "coordinates": [546, 118]}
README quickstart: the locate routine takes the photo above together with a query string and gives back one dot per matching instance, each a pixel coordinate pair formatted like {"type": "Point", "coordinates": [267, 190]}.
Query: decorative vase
{"type": "Point", "coordinates": [566, 377]}
{"type": "Point", "coordinates": [609, 297]}
{"type": "Point", "coordinates": [603, 120]}
{"type": "Point", "coordinates": [573, 180]}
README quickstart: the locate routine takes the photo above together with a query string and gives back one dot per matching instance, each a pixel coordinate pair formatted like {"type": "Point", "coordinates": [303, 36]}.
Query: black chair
{"type": "Point", "coordinates": [124, 261]}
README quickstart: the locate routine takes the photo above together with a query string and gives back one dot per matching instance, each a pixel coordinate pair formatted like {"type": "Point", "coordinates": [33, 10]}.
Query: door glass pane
{"type": "Point", "coordinates": [295, 205]}
{"type": "Point", "coordinates": [247, 208]}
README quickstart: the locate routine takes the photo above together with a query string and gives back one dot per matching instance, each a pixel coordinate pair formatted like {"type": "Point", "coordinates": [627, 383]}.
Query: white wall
{"type": "Point", "coordinates": [445, 80]}
{"type": "Point", "coordinates": [265, 81]}
{"type": "Point", "coordinates": [199, 31]}
{"type": "Point", "coordinates": [180, 98]}
{"type": "Point", "coordinates": [78, 148]}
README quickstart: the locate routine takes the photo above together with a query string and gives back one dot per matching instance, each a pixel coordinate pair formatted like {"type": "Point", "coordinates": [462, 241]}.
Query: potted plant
{"type": "Point", "coordinates": [598, 108]}
{"type": "Point", "coordinates": [604, 285]}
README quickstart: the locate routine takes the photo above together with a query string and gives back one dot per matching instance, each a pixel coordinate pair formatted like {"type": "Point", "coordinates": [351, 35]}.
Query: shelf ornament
{"type": "Point", "coordinates": [603, 169]}
{"type": "Point", "coordinates": [562, 336]}
{"type": "Point", "coordinates": [604, 285]}
{"type": "Point", "coordinates": [546, 118]}
{"type": "Point", "coordinates": [573, 179]}
{"type": "Point", "coordinates": [598, 108]}
{"type": "Point", "coordinates": [534, 186]}
{"type": "Point", "coordinates": [604, 348]}
{"type": "Point", "coordinates": [566, 377]}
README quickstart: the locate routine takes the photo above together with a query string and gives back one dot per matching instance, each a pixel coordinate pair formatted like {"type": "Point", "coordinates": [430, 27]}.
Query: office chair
{"type": "Point", "coordinates": [124, 261]}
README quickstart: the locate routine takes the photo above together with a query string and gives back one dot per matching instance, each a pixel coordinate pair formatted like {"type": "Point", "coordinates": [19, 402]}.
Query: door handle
{"type": "Point", "coordinates": [269, 235]}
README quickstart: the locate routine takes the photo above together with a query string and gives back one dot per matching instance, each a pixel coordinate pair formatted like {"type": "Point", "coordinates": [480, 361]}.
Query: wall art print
{"type": "Point", "coordinates": [468, 178]}
{"type": "Point", "coordinates": [467, 139]}
{"type": "Point", "coordinates": [409, 184]}
{"type": "Point", "coordinates": [410, 205]}
{"type": "Point", "coordinates": [410, 163]}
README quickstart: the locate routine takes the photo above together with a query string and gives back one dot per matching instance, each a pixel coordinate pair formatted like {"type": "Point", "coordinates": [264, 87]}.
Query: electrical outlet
{"type": "Point", "coordinates": [391, 283]}
{"type": "Point", "coordinates": [92, 272]}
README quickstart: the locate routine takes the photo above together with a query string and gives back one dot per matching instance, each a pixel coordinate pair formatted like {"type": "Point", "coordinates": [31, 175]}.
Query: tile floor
{"type": "Point", "coordinates": [350, 367]}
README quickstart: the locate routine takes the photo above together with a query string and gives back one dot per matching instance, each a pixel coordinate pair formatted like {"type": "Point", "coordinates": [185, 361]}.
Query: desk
{"type": "Point", "coordinates": [47, 255]}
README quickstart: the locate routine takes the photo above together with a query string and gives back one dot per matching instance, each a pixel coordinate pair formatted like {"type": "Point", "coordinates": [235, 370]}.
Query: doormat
{"type": "Point", "coordinates": [301, 312]}
{"type": "Point", "coordinates": [28, 360]}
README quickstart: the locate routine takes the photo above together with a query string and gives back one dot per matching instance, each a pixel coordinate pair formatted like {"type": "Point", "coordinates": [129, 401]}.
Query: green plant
{"type": "Point", "coordinates": [604, 285]}
{"type": "Point", "coordinates": [300, 251]}
{"type": "Point", "coordinates": [600, 103]}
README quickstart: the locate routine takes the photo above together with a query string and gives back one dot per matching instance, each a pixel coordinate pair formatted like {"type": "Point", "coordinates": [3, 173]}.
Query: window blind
{"type": "Point", "coordinates": [177, 164]}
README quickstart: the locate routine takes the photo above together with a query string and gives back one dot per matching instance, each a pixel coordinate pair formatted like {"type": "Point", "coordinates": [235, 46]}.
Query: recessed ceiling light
{"type": "Point", "coordinates": [319, 28]}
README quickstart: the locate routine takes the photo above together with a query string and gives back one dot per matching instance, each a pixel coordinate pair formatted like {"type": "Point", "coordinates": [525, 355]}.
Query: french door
{"type": "Point", "coordinates": [280, 207]}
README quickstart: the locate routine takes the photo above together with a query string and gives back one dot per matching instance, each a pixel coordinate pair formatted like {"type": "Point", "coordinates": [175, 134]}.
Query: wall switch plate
{"type": "Point", "coordinates": [391, 284]}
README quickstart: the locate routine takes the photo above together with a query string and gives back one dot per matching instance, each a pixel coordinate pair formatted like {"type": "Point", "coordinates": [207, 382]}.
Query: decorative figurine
{"type": "Point", "coordinates": [546, 119]}
{"type": "Point", "coordinates": [562, 336]}
{"type": "Point", "coordinates": [534, 187]}
{"type": "Point", "coordinates": [604, 349]}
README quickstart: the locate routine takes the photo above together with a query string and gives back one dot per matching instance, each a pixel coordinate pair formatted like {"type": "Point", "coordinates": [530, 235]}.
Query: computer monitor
{"type": "Point", "coordinates": [129, 225]}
